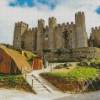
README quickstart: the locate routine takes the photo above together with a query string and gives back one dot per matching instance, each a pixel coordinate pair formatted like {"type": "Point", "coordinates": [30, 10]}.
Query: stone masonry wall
{"type": "Point", "coordinates": [86, 52]}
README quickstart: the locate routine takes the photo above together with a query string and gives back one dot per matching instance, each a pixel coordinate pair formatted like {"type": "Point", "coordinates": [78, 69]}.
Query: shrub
{"type": "Point", "coordinates": [82, 64]}
{"type": "Point", "coordinates": [58, 67]}
{"type": "Point", "coordinates": [69, 64]}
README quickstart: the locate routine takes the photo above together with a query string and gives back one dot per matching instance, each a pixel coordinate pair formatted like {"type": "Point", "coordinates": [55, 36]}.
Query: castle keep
{"type": "Point", "coordinates": [51, 37]}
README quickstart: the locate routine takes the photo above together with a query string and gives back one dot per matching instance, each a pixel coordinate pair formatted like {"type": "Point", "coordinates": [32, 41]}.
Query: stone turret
{"type": "Point", "coordinates": [40, 37]}
{"type": "Point", "coordinates": [52, 24]}
{"type": "Point", "coordinates": [81, 30]}
{"type": "Point", "coordinates": [41, 24]}
{"type": "Point", "coordinates": [19, 30]}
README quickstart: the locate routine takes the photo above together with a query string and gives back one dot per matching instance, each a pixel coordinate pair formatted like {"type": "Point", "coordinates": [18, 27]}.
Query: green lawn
{"type": "Point", "coordinates": [15, 81]}
{"type": "Point", "coordinates": [78, 72]}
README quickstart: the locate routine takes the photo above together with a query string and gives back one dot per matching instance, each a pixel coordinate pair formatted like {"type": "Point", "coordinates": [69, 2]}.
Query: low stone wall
{"type": "Point", "coordinates": [83, 52]}
{"type": "Point", "coordinates": [51, 56]}
{"type": "Point", "coordinates": [86, 52]}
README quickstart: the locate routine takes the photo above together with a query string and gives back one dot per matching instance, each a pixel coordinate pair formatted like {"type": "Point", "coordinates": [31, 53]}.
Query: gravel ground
{"type": "Point", "coordinates": [83, 96]}
{"type": "Point", "coordinates": [6, 94]}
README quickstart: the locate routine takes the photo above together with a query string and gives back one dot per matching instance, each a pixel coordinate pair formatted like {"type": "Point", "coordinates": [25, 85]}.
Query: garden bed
{"type": "Point", "coordinates": [74, 80]}
{"type": "Point", "coordinates": [15, 82]}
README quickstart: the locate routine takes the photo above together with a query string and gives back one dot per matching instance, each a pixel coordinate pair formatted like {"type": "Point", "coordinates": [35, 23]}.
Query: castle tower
{"type": "Point", "coordinates": [81, 34]}
{"type": "Point", "coordinates": [40, 36]}
{"type": "Point", "coordinates": [19, 30]}
{"type": "Point", "coordinates": [52, 24]}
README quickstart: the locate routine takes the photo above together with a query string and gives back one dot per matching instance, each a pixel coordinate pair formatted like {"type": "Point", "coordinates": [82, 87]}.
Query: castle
{"type": "Point", "coordinates": [51, 37]}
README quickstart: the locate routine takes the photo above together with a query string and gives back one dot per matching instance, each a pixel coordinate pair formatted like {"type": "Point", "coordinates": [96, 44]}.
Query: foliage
{"type": "Point", "coordinates": [59, 66]}
{"type": "Point", "coordinates": [65, 60]}
{"type": "Point", "coordinates": [29, 57]}
{"type": "Point", "coordinates": [31, 54]}
{"type": "Point", "coordinates": [95, 60]}
{"type": "Point", "coordinates": [65, 34]}
{"type": "Point", "coordinates": [60, 51]}
{"type": "Point", "coordinates": [12, 80]}
{"type": "Point", "coordinates": [79, 72]}
{"type": "Point", "coordinates": [69, 64]}
{"type": "Point", "coordinates": [83, 63]}
{"type": "Point", "coordinates": [46, 50]}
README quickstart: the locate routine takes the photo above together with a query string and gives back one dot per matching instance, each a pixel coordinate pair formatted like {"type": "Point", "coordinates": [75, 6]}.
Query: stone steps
{"type": "Point", "coordinates": [37, 85]}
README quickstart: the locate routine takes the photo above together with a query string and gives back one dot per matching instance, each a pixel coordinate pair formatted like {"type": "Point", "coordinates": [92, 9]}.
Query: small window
{"type": "Point", "coordinates": [46, 35]}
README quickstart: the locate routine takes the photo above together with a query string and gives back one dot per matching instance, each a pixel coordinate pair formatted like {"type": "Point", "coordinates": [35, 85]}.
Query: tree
{"type": "Point", "coordinates": [60, 51]}
{"type": "Point", "coordinates": [65, 36]}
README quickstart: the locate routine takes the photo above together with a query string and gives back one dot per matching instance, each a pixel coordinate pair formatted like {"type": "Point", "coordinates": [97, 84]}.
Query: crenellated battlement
{"type": "Point", "coordinates": [29, 29]}
{"type": "Point", "coordinates": [41, 24]}
{"type": "Point", "coordinates": [59, 25]}
{"type": "Point", "coordinates": [41, 20]}
{"type": "Point", "coordinates": [72, 24]}
{"type": "Point", "coordinates": [52, 22]}
{"type": "Point", "coordinates": [67, 23]}
{"type": "Point", "coordinates": [33, 29]}
{"type": "Point", "coordinates": [96, 29]}
{"type": "Point", "coordinates": [79, 13]}
{"type": "Point", "coordinates": [63, 24]}
{"type": "Point", "coordinates": [52, 18]}
{"type": "Point", "coordinates": [21, 24]}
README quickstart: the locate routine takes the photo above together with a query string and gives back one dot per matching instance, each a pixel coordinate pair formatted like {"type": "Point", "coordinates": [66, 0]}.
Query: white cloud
{"type": "Point", "coordinates": [64, 12]}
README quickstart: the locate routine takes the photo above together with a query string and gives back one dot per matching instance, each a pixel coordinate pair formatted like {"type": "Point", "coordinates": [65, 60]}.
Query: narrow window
{"type": "Point", "coordinates": [46, 35]}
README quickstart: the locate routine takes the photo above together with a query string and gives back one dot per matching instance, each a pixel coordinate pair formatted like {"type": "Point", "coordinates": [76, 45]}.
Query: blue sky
{"type": "Point", "coordinates": [29, 11]}
{"type": "Point", "coordinates": [21, 2]}
{"type": "Point", "coordinates": [31, 3]}
{"type": "Point", "coordinates": [98, 10]}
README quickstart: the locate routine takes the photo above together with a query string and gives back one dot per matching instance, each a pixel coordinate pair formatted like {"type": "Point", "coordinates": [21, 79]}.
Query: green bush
{"type": "Point", "coordinates": [70, 65]}
{"type": "Point", "coordinates": [83, 63]}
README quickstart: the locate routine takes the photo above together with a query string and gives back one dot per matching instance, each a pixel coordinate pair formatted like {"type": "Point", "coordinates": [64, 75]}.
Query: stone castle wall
{"type": "Point", "coordinates": [83, 52]}
{"type": "Point", "coordinates": [86, 52]}
{"type": "Point", "coordinates": [35, 40]}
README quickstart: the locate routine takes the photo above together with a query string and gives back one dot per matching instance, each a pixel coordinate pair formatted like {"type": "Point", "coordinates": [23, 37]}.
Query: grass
{"type": "Point", "coordinates": [78, 72]}
{"type": "Point", "coordinates": [13, 79]}
{"type": "Point", "coordinates": [29, 57]}
{"type": "Point", "coordinates": [95, 60]}
{"type": "Point", "coordinates": [16, 82]}
{"type": "Point", "coordinates": [10, 50]}
{"type": "Point", "coordinates": [30, 53]}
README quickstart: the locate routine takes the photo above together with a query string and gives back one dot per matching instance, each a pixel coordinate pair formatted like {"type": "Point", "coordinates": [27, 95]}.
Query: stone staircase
{"type": "Point", "coordinates": [37, 85]}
